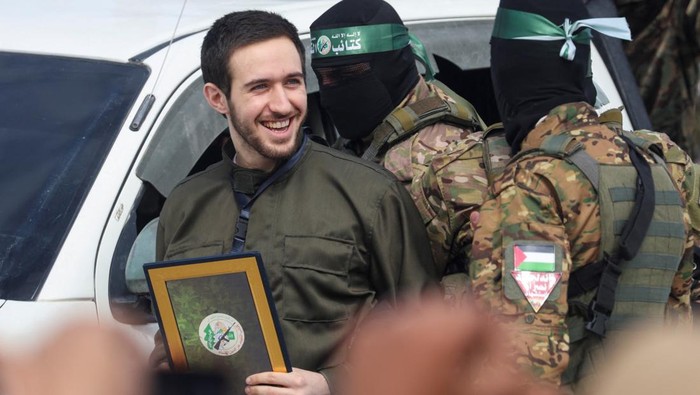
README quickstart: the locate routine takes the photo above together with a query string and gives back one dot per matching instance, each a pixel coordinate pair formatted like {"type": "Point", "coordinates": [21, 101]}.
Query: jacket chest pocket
{"type": "Point", "coordinates": [316, 284]}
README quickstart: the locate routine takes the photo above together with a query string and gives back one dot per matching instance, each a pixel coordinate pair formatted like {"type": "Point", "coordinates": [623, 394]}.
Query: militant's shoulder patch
{"type": "Point", "coordinates": [532, 271]}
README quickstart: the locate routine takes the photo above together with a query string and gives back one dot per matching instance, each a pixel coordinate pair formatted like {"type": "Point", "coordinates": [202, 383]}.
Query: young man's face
{"type": "Point", "coordinates": [267, 105]}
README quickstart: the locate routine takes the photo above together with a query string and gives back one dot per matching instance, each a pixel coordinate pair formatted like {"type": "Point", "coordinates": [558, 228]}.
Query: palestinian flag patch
{"type": "Point", "coordinates": [535, 272]}
{"type": "Point", "coordinates": [534, 257]}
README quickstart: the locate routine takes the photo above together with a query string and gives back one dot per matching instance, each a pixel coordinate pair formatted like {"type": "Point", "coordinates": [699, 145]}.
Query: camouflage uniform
{"type": "Point", "coordinates": [409, 159]}
{"type": "Point", "coordinates": [665, 56]}
{"type": "Point", "coordinates": [543, 198]}
{"type": "Point", "coordinates": [455, 185]}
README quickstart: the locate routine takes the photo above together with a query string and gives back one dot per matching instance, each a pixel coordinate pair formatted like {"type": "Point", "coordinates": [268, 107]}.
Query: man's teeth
{"type": "Point", "coordinates": [276, 124]}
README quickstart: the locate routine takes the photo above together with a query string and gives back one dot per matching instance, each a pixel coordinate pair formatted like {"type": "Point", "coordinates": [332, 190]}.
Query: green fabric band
{"type": "Point", "coordinates": [357, 40]}
{"type": "Point", "coordinates": [520, 25]}
{"type": "Point", "coordinates": [421, 54]}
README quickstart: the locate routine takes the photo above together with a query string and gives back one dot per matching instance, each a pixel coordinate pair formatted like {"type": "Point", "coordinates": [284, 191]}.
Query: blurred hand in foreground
{"type": "Point", "coordinates": [426, 348]}
{"type": "Point", "coordinates": [80, 359]}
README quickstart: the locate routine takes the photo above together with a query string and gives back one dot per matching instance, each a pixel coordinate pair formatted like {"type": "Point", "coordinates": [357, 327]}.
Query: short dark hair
{"type": "Point", "coordinates": [236, 30]}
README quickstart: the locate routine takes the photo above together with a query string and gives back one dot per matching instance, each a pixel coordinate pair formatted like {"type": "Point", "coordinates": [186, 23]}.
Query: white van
{"type": "Point", "coordinates": [101, 114]}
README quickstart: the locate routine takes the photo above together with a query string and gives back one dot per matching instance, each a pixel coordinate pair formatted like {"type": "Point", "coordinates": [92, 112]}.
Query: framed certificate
{"type": "Point", "coordinates": [217, 313]}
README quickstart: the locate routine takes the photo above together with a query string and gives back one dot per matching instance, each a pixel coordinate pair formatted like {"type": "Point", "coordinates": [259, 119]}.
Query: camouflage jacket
{"type": "Point", "coordinates": [545, 200]}
{"type": "Point", "coordinates": [409, 159]}
{"type": "Point", "coordinates": [665, 56]}
{"type": "Point", "coordinates": [454, 185]}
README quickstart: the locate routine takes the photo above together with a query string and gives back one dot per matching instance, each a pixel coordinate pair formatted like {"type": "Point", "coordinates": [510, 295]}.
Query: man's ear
{"type": "Point", "coordinates": [216, 98]}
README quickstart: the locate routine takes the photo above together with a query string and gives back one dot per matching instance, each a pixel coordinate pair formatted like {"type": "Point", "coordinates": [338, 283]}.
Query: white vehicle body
{"type": "Point", "coordinates": [78, 281]}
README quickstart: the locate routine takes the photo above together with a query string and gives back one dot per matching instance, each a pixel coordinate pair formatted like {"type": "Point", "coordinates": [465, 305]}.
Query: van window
{"type": "Point", "coordinates": [187, 130]}
{"type": "Point", "coordinates": [59, 117]}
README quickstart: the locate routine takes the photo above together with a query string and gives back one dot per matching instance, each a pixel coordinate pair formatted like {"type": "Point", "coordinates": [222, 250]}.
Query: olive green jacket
{"type": "Point", "coordinates": [336, 235]}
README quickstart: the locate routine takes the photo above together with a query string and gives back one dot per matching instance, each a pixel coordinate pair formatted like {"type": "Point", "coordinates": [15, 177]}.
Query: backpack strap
{"type": "Point", "coordinates": [462, 102]}
{"type": "Point", "coordinates": [405, 121]}
{"type": "Point", "coordinates": [650, 147]}
{"type": "Point", "coordinates": [564, 146]}
{"type": "Point", "coordinates": [496, 151]}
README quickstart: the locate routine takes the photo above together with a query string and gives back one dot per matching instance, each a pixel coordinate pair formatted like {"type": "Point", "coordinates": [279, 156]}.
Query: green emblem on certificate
{"type": "Point", "coordinates": [221, 334]}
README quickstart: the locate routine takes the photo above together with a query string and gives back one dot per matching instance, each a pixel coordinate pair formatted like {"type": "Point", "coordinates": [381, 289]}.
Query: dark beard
{"type": "Point", "coordinates": [257, 143]}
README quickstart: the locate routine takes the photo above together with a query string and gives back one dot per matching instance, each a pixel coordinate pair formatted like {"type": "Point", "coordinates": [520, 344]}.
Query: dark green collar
{"type": "Point", "coordinates": [243, 180]}
{"type": "Point", "coordinates": [247, 181]}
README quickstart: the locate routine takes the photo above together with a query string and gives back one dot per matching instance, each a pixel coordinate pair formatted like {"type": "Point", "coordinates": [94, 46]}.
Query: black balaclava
{"type": "Point", "coordinates": [530, 78]}
{"type": "Point", "coordinates": [360, 90]}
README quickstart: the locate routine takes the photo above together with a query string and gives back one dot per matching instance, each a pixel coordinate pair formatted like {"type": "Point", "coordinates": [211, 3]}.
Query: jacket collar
{"type": "Point", "coordinates": [246, 180]}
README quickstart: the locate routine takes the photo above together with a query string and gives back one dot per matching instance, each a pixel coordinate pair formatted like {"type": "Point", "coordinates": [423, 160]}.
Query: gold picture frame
{"type": "Point", "coordinates": [217, 313]}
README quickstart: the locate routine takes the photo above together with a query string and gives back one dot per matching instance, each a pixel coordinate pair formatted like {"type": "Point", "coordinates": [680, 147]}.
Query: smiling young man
{"type": "Point", "coordinates": [336, 234]}
{"type": "Point", "coordinates": [270, 102]}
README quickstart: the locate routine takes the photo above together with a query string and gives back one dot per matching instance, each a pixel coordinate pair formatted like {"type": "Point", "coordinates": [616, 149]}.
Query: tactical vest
{"type": "Point", "coordinates": [634, 287]}
{"type": "Point", "coordinates": [405, 121]}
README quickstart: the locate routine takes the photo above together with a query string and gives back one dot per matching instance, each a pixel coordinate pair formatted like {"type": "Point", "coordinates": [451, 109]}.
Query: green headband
{"type": "Point", "coordinates": [421, 54]}
{"type": "Point", "coordinates": [519, 25]}
{"type": "Point", "coordinates": [357, 40]}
